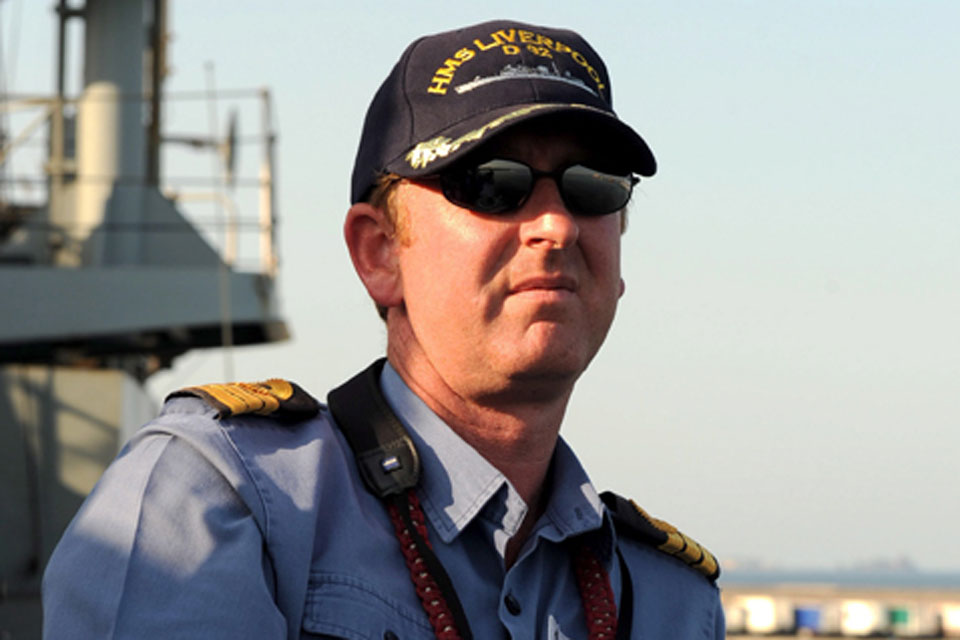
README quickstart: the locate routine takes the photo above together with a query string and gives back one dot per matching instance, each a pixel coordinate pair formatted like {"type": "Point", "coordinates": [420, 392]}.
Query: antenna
{"type": "Point", "coordinates": [228, 150]}
{"type": "Point", "coordinates": [226, 146]}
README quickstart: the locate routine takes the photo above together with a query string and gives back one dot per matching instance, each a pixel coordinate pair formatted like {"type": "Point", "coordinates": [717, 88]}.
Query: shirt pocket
{"type": "Point", "coordinates": [340, 606]}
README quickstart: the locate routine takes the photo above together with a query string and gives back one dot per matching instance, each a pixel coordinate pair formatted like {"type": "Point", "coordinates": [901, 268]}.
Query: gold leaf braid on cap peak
{"type": "Point", "coordinates": [273, 397]}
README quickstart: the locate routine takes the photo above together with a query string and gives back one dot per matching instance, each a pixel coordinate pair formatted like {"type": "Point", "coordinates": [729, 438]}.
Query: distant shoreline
{"type": "Point", "coordinates": [884, 579]}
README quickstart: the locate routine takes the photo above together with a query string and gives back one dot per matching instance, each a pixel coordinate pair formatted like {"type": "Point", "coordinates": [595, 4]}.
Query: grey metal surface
{"type": "Point", "coordinates": [59, 429]}
{"type": "Point", "coordinates": [133, 309]}
{"type": "Point", "coordinates": [100, 286]}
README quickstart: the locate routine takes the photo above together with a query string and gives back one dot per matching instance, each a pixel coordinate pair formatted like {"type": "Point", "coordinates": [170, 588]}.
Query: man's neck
{"type": "Point", "coordinates": [515, 431]}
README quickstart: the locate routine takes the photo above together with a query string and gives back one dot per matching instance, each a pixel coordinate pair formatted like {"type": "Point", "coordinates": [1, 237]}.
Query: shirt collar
{"type": "Point", "coordinates": [457, 483]}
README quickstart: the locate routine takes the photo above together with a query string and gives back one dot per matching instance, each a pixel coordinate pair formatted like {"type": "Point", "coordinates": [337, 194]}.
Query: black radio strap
{"type": "Point", "coordinates": [389, 464]}
{"type": "Point", "coordinates": [388, 461]}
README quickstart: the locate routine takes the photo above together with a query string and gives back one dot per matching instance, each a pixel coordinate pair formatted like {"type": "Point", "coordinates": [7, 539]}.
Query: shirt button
{"type": "Point", "coordinates": [513, 606]}
{"type": "Point", "coordinates": [390, 635]}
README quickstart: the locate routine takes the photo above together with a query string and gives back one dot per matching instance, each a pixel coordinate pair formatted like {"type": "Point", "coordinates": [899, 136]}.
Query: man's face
{"type": "Point", "coordinates": [507, 303]}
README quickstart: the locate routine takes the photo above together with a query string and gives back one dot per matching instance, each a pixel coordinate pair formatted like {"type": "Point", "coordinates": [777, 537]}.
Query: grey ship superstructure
{"type": "Point", "coordinates": [103, 281]}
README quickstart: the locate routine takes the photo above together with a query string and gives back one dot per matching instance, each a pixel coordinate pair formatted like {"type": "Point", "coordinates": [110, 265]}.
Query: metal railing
{"type": "Point", "coordinates": [245, 204]}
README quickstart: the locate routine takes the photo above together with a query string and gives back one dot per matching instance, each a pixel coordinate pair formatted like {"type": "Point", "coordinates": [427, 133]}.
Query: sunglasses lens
{"type": "Point", "coordinates": [496, 186]}
{"type": "Point", "coordinates": [589, 192]}
{"type": "Point", "coordinates": [502, 186]}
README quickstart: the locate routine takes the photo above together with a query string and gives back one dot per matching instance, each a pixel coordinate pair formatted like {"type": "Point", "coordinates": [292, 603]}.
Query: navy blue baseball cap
{"type": "Point", "coordinates": [451, 92]}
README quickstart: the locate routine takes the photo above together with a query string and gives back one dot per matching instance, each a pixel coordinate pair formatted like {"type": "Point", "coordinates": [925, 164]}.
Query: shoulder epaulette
{"type": "Point", "coordinates": [274, 397]}
{"type": "Point", "coordinates": [662, 535]}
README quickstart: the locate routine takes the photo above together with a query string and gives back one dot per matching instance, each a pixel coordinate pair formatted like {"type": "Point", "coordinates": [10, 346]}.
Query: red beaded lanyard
{"type": "Point", "coordinates": [440, 601]}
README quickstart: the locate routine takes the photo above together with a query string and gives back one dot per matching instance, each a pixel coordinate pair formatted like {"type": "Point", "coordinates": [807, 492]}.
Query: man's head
{"type": "Point", "coordinates": [452, 92]}
{"type": "Point", "coordinates": [487, 212]}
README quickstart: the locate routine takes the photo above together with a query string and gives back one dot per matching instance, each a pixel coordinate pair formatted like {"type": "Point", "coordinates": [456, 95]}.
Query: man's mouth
{"type": "Point", "coordinates": [556, 283]}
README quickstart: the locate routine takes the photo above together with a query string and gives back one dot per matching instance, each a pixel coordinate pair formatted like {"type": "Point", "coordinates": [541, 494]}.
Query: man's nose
{"type": "Point", "coordinates": [546, 220]}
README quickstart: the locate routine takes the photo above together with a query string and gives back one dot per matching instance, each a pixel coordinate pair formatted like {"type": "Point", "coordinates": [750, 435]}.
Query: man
{"type": "Point", "coordinates": [433, 497]}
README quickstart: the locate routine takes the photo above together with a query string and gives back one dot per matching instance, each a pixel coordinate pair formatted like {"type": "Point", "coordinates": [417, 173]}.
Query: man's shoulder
{"type": "Point", "coordinates": [281, 399]}
{"type": "Point", "coordinates": [633, 522]}
{"type": "Point", "coordinates": [261, 424]}
{"type": "Point", "coordinates": [272, 440]}
{"type": "Point", "coordinates": [672, 577]}
{"type": "Point", "coordinates": [277, 409]}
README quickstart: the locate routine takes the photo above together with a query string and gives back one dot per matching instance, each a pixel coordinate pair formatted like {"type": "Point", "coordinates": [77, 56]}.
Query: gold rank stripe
{"type": "Point", "coordinates": [279, 387]}
{"type": "Point", "coordinates": [682, 546]}
{"type": "Point", "coordinates": [236, 398]}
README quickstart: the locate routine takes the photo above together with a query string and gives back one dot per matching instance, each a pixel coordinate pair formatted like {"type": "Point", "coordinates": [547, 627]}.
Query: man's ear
{"type": "Point", "coordinates": [373, 248]}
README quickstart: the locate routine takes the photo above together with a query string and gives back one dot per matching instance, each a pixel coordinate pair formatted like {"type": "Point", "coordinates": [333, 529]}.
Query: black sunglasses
{"type": "Point", "coordinates": [502, 186]}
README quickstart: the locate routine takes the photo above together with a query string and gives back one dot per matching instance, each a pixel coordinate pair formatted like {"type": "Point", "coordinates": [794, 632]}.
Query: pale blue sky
{"type": "Point", "coordinates": [783, 378]}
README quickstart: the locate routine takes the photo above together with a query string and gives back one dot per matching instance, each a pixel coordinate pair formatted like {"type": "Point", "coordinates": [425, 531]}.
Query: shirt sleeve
{"type": "Point", "coordinates": [720, 622]}
{"type": "Point", "coordinates": [164, 547]}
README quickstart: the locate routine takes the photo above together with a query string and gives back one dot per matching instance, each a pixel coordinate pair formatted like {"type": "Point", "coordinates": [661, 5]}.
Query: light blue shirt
{"type": "Point", "coordinates": [251, 528]}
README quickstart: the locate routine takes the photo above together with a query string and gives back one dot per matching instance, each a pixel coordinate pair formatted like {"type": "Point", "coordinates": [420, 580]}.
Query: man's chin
{"type": "Point", "coordinates": [552, 351]}
{"type": "Point", "coordinates": [548, 371]}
